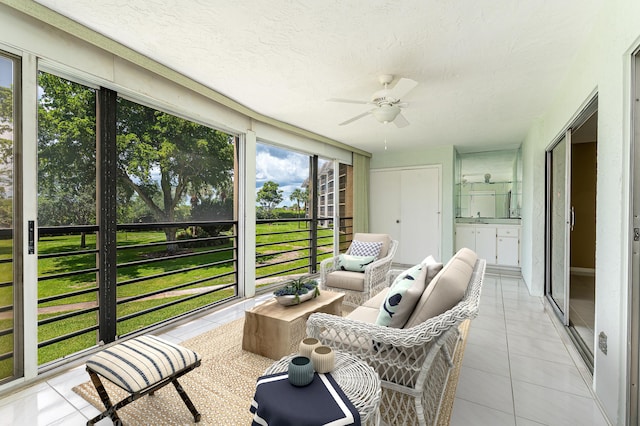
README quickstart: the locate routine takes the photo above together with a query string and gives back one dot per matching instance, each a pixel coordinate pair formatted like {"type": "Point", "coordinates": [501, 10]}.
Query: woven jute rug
{"type": "Point", "coordinates": [221, 388]}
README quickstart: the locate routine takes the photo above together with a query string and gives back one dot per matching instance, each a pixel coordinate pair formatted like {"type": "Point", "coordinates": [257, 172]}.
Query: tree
{"type": "Point", "coordinates": [6, 157]}
{"type": "Point", "coordinates": [66, 152]}
{"type": "Point", "coordinates": [161, 158]}
{"type": "Point", "coordinates": [299, 196]}
{"type": "Point", "coordinates": [162, 153]}
{"type": "Point", "coordinates": [269, 196]}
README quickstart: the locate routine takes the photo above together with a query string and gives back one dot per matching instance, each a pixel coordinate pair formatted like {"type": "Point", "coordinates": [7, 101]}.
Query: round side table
{"type": "Point", "coordinates": [356, 378]}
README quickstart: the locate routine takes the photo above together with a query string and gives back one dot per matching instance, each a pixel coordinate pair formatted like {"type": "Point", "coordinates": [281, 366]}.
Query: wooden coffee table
{"type": "Point", "coordinates": [274, 330]}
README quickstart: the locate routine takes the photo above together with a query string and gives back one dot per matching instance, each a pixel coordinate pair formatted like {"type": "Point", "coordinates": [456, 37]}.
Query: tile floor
{"type": "Point", "coordinates": [516, 370]}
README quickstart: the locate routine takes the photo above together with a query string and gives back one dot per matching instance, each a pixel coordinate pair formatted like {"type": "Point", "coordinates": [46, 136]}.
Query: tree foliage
{"type": "Point", "coordinates": [300, 196]}
{"type": "Point", "coordinates": [66, 152]}
{"type": "Point", "coordinates": [163, 154]}
{"type": "Point", "coordinates": [269, 196]}
{"type": "Point", "coordinates": [163, 162]}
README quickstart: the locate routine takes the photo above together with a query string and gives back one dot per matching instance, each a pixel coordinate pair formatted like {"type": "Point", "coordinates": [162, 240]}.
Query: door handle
{"type": "Point", "coordinates": [572, 219]}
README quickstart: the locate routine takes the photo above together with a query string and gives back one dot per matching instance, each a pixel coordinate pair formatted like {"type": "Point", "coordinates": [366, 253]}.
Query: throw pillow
{"type": "Point", "coordinates": [402, 297]}
{"type": "Point", "coordinates": [348, 262]}
{"type": "Point", "coordinates": [365, 248]}
{"type": "Point", "coordinates": [433, 267]}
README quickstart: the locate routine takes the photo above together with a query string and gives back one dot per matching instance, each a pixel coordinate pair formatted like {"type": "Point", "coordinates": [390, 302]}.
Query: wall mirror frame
{"type": "Point", "coordinates": [488, 184]}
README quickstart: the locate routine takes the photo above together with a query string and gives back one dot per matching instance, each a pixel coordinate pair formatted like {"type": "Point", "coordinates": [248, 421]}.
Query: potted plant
{"type": "Point", "coordinates": [297, 291]}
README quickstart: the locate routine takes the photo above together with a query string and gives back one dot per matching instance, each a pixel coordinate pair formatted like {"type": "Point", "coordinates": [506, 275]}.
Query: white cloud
{"type": "Point", "coordinates": [287, 168]}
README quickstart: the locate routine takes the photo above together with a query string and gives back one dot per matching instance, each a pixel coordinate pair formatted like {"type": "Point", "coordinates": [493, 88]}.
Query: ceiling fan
{"type": "Point", "coordinates": [387, 102]}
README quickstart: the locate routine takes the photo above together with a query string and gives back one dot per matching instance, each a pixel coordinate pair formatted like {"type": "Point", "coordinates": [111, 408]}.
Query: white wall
{"type": "Point", "coordinates": [602, 66]}
{"type": "Point", "coordinates": [441, 155]}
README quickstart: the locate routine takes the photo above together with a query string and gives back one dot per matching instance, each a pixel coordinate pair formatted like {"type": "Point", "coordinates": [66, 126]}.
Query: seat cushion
{"type": "Point", "coordinates": [377, 300]}
{"type": "Point", "coordinates": [141, 362]}
{"type": "Point", "coordinates": [345, 280]}
{"type": "Point", "coordinates": [443, 293]}
{"type": "Point", "coordinates": [385, 239]}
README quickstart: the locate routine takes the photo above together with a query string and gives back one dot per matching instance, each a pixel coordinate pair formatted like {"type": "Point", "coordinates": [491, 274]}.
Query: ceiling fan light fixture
{"type": "Point", "coordinates": [386, 113]}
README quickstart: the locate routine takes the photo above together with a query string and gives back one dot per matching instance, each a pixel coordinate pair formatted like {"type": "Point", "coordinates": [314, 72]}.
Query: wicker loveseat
{"type": "Point", "coordinates": [413, 363]}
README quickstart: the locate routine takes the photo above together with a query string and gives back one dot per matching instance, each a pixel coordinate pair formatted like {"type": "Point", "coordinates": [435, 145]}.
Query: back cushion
{"type": "Point", "coordinates": [468, 255]}
{"type": "Point", "coordinates": [443, 293]}
{"type": "Point", "coordinates": [385, 239]}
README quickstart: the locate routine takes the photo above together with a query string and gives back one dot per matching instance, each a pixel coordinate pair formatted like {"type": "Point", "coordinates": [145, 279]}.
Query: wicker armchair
{"type": "Point", "coordinates": [413, 363]}
{"type": "Point", "coordinates": [357, 286]}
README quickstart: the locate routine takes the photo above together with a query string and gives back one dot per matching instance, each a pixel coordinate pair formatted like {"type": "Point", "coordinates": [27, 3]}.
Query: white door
{"type": "Point", "coordinates": [406, 204]}
{"type": "Point", "coordinates": [384, 202]}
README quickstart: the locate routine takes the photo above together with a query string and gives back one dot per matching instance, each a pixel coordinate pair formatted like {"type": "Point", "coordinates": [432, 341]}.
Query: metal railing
{"type": "Point", "coordinates": [158, 280]}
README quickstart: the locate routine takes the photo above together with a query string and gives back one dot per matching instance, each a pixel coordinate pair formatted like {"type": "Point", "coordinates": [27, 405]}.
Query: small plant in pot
{"type": "Point", "coordinates": [297, 291]}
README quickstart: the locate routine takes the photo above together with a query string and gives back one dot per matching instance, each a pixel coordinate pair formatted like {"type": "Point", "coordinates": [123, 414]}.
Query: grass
{"type": "Point", "coordinates": [150, 281]}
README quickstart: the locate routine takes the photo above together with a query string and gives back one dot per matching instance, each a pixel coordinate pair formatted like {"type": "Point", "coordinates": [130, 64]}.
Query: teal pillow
{"type": "Point", "coordinates": [402, 297]}
{"type": "Point", "coordinates": [347, 262]}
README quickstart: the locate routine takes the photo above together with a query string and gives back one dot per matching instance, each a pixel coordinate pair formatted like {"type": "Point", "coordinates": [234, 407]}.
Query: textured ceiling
{"type": "Point", "coordinates": [486, 69]}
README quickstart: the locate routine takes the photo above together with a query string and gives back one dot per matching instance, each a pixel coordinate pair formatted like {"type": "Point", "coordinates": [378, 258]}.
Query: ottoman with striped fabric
{"type": "Point", "coordinates": [140, 366]}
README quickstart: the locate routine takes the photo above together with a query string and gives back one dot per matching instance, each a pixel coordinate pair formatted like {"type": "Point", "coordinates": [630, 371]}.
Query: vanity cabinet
{"type": "Point", "coordinates": [498, 244]}
{"type": "Point", "coordinates": [508, 246]}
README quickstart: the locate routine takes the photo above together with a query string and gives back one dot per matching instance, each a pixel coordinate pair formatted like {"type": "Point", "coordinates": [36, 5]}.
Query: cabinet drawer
{"type": "Point", "coordinates": [507, 232]}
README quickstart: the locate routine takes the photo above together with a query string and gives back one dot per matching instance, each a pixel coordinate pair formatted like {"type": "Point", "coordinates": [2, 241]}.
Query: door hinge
{"type": "Point", "coordinates": [636, 234]}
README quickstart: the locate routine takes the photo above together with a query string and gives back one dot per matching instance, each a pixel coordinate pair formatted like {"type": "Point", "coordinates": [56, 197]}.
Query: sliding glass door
{"type": "Point", "coordinates": [10, 292]}
{"type": "Point", "coordinates": [558, 225]}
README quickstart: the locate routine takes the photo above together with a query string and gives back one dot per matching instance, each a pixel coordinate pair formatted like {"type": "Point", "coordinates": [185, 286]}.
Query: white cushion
{"type": "Point", "coordinates": [347, 262]}
{"type": "Point", "coordinates": [402, 297]}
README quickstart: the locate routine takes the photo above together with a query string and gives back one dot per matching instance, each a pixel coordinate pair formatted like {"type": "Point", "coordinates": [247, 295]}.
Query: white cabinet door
{"type": "Point", "coordinates": [405, 203]}
{"type": "Point", "coordinates": [508, 251]}
{"type": "Point", "coordinates": [486, 244]}
{"type": "Point", "coordinates": [465, 237]}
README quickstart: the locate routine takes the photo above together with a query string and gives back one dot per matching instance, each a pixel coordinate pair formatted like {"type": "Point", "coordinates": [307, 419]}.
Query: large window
{"type": "Point", "coordinates": [176, 193]}
{"type": "Point", "coordinates": [155, 242]}
{"type": "Point", "coordinates": [295, 207]}
{"type": "Point", "coordinates": [9, 365]}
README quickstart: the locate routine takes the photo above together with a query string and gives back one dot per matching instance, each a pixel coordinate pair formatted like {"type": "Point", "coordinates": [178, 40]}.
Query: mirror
{"type": "Point", "coordinates": [489, 184]}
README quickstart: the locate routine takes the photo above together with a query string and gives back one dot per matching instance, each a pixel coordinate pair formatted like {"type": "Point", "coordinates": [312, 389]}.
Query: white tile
{"type": "Point", "coordinates": [555, 408]}
{"type": "Point", "coordinates": [467, 413]}
{"type": "Point", "coordinates": [490, 390]}
{"type": "Point", "coordinates": [72, 419]}
{"type": "Point", "coordinates": [487, 337]}
{"type": "Point", "coordinates": [539, 348]}
{"type": "Point", "coordinates": [64, 383]}
{"type": "Point", "coordinates": [560, 377]}
{"type": "Point", "coordinates": [191, 329]}
{"type": "Point", "coordinates": [521, 421]}
{"type": "Point", "coordinates": [489, 322]}
{"type": "Point", "coordinates": [536, 330]}
{"type": "Point", "coordinates": [42, 408]}
{"type": "Point", "coordinates": [487, 359]}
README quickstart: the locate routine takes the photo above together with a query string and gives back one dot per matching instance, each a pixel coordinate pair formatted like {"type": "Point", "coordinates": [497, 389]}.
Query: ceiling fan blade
{"type": "Point", "coordinates": [347, 101]}
{"type": "Point", "coordinates": [400, 121]}
{"type": "Point", "coordinates": [402, 87]}
{"type": "Point", "coordinates": [357, 117]}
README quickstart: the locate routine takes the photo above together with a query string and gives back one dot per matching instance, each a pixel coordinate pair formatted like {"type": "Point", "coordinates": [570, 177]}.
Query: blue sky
{"type": "Point", "coordinates": [287, 168]}
{"type": "Point", "coordinates": [6, 72]}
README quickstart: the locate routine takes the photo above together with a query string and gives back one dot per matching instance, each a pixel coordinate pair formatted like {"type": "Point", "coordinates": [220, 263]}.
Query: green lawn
{"type": "Point", "coordinates": [151, 282]}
